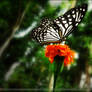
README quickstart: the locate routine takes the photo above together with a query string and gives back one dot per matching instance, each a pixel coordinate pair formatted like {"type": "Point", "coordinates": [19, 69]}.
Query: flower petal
{"type": "Point", "coordinates": [61, 50]}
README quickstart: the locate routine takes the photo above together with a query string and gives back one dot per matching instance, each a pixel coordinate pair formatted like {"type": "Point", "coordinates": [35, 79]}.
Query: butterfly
{"type": "Point", "coordinates": [56, 31]}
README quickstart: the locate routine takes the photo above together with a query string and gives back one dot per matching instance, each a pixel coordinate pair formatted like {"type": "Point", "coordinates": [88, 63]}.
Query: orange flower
{"type": "Point", "coordinates": [61, 50]}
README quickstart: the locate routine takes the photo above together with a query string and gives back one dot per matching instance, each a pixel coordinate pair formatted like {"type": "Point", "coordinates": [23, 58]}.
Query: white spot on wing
{"type": "Point", "coordinates": [68, 16]}
{"type": "Point", "coordinates": [64, 21]}
{"type": "Point", "coordinates": [76, 24]}
{"type": "Point", "coordinates": [74, 16]}
{"type": "Point", "coordinates": [81, 15]}
{"type": "Point", "coordinates": [70, 22]}
{"type": "Point", "coordinates": [57, 22]}
{"type": "Point", "coordinates": [70, 19]}
{"type": "Point", "coordinates": [63, 18]}
{"type": "Point", "coordinates": [59, 17]}
{"type": "Point", "coordinates": [83, 9]}
{"type": "Point", "coordinates": [80, 8]}
{"type": "Point", "coordinates": [79, 20]}
{"type": "Point", "coordinates": [66, 25]}
{"type": "Point", "coordinates": [73, 11]}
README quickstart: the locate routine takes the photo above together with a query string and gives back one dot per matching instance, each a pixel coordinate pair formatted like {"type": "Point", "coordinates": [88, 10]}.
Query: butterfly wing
{"type": "Point", "coordinates": [55, 31]}
{"type": "Point", "coordinates": [71, 19]}
{"type": "Point", "coordinates": [47, 32]}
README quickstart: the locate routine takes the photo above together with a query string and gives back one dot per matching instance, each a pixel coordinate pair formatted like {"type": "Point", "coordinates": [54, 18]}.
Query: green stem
{"type": "Point", "coordinates": [58, 63]}
{"type": "Point", "coordinates": [62, 67]}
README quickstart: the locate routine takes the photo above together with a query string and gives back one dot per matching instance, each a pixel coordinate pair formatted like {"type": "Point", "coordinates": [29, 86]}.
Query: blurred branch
{"type": "Point", "coordinates": [51, 82]}
{"type": "Point", "coordinates": [73, 3]}
{"type": "Point", "coordinates": [87, 76]}
{"type": "Point", "coordinates": [11, 70]}
{"type": "Point", "coordinates": [15, 28]}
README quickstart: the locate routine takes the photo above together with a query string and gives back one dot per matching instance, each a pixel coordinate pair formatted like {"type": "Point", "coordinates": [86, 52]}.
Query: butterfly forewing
{"type": "Point", "coordinates": [55, 31]}
{"type": "Point", "coordinates": [71, 19]}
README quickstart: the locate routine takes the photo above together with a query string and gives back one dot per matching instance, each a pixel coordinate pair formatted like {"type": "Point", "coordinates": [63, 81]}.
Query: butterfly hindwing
{"type": "Point", "coordinates": [46, 32]}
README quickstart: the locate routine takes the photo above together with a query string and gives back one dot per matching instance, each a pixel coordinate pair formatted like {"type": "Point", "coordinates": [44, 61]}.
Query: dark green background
{"type": "Point", "coordinates": [23, 60]}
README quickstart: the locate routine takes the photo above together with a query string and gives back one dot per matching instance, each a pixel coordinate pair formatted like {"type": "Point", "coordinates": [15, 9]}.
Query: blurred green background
{"type": "Point", "coordinates": [22, 60]}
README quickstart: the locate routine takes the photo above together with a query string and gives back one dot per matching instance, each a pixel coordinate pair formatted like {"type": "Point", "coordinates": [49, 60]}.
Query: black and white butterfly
{"type": "Point", "coordinates": [55, 31]}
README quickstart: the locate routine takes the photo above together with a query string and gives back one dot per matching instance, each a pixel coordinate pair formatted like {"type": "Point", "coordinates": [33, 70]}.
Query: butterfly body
{"type": "Point", "coordinates": [56, 31]}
